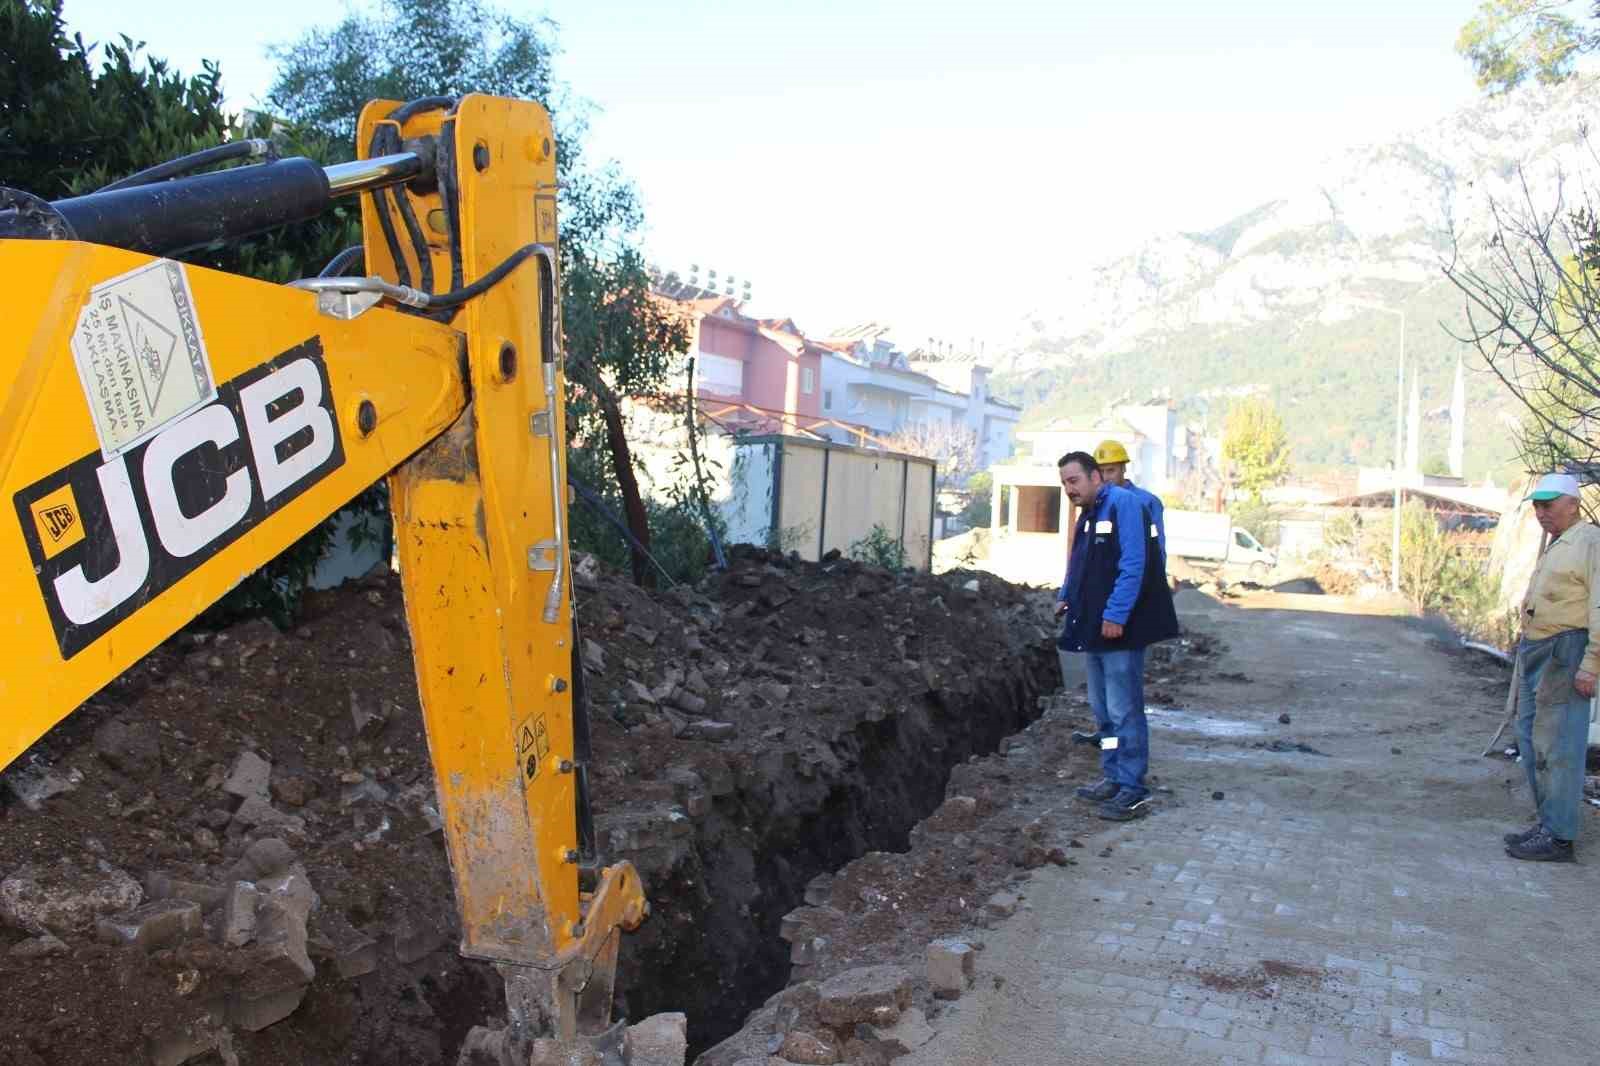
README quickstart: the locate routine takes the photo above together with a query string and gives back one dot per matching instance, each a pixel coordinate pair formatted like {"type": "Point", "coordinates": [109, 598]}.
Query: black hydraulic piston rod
{"type": "Point", "coordinates": [169, 217]}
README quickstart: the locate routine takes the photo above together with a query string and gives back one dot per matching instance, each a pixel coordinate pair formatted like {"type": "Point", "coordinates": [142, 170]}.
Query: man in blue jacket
{"type": "Point", "coordinates": [1116, 603]}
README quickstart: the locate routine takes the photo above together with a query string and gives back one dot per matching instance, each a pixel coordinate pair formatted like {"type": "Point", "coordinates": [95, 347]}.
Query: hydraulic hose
{"type": "Point", "coordinates": [253, 148]}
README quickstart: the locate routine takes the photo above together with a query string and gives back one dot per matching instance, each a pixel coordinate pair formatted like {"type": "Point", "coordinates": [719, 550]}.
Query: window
{"type": "Point", "coordinates": [1243, 539]}
{"type": "Point", "coordinates": [827, 399]}
{"type": "Point", "coordinates": [808, 380]}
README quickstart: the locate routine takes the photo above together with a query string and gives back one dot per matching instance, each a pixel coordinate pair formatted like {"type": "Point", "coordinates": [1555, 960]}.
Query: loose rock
{"type": "Point", "coordinates": [66, 897]}
{"type": "Point", "coordinates": [909, 1033]}
{"type": "Point", "coordinates": [255, 812]}
{"type": "Point", "coordinates": [39, 946]}
{"type": "Point", "coordinates": [249, 778]}
{"type": "Point", "coordinates": [159, 886]}
{"type": "Point", "coordinates": [659, 1040]}
{"type": "Point", "coordinates": [263, 858]}
{"type": "Point", "coordinates": [152, 926]}
{"type": "Point", "coordinates": [812, 1048]}
{"type": "Point", "coordinates": [585, 570]}
{"type": "Point", "coordinates": [951, 965]}
{"type": "Point", "coordinates": [1001, 905]}
{"type": "Point", "coordinates": [32, 785]}
{"type": "Point", "coordinates": [129, 747]}
{"type": "Point", "coordinates": [282, 969]}
{"type": "Point", "coordinates": [238, 923]}
{"type": "Point", "coordinates": [774, 692]}
{"type": "Point", "coordinates": [705, 729]}
{"type": "Point", "coordinates": [851, 997]}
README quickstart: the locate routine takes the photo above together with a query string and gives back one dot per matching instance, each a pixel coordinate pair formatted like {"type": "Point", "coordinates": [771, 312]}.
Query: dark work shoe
{"type": "Point", "coordinates": [1090, 739]}
{"type": "Point", "coordinates": [1099, 792]}
{"type": "Point", "coordinates": [1542, 847]}
{"type": "Point", "coordinates": [1524, 836]}
{"type": "Point", "coordinates": [1125, 806]}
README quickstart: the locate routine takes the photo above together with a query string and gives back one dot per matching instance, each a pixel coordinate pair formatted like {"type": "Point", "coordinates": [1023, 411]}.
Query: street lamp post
{"type": "Point", "coordinates": [1399, 436]}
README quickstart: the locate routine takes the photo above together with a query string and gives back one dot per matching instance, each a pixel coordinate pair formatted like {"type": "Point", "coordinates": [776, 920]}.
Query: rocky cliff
{"type": "Point", "coordinates": [1376, 220]}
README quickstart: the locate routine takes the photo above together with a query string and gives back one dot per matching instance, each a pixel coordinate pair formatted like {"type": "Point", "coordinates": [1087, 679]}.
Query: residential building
{"type": "Point", "coordinates": [765, 376]}
{"type": "Point", "coordinates": [881, 390]}
{"type": "Point", "coordinates": [873, 394]}
{"type": "Point", "coordinates": [992, 421]}
{"type": "Point", "coordinates": [1031, 543]}
{"type": "Point", "coordinates": [755, 375]}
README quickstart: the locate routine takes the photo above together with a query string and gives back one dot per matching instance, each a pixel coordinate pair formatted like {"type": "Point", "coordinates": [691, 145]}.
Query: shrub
{"type": "Point", "coordinates": [879, 549]}
{"type": "Point", "coordinates": [978, 511]}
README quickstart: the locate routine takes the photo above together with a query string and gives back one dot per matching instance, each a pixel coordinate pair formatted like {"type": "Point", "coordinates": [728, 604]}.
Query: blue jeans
{"type": "Point", "coordinates": [1553, 729]}
{"type": "Point", "coordinates": [1116, 695]}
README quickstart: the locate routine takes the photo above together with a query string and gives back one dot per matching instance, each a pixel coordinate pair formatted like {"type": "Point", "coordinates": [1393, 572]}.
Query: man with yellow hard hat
{"type": "Point", "coordinates": [1113, 460]}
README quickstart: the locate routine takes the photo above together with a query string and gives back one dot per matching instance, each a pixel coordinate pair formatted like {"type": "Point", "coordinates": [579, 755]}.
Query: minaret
{"type": "Point", "coordinates": [1414, 430]}
{"type": "Point", "coordinates": [1458, 424]}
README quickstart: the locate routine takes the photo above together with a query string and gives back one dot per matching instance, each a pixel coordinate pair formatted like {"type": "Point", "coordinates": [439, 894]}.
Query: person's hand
{"type": "Point", "coordinates": [1584, 683]}
{"type": "Point", "coordinates": [1061, 608]}
{"type": "Point", "coordinates": [1113, 631]}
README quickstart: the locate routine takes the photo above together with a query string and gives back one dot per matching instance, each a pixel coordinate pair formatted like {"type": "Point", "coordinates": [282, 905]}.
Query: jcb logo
{"type": "Point", "coordinates": [57, 521]}
{"type": "Point", "coordinates": [107, 537]}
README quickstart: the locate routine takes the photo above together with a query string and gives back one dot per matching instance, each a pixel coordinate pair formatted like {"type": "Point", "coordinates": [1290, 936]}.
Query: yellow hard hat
{"type": "Point", "coordinates": [1110, 451]}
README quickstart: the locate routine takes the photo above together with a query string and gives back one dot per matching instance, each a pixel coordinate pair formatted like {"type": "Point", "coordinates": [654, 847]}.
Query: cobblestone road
{"type": "Point", "coordinates": [1347, 907]}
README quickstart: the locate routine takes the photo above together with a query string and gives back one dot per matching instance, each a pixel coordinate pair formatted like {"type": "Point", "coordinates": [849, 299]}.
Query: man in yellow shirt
{"type": "Point", "coordinates": [1559, 655]}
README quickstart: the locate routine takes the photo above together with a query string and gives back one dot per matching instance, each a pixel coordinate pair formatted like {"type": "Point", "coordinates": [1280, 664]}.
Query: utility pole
{"type": "Point", "coordinates": [1399, 435]}
{"type": "Point", "coordinates": [1399, 406]}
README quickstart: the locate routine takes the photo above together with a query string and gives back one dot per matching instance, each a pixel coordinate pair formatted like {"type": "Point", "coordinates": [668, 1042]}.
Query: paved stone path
{"type": "Point", "coordinates": [1352, 907]}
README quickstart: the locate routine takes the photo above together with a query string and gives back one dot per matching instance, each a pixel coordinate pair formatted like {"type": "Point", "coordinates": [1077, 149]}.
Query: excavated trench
{"type": "Point", "coordinates": [711, 947]}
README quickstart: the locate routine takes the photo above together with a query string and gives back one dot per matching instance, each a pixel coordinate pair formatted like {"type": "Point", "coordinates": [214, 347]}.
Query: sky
{"type": "Point", "coordinates": [934, 166]}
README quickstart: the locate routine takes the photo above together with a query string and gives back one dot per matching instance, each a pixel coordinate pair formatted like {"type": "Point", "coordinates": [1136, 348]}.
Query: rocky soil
{"type": "Point", "coordinates": [232, 855]}
{"type": "Point", "coordinates": [882, 946]}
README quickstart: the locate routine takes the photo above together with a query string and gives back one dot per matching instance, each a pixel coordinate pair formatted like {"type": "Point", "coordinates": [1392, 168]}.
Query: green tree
{"type": "Point", "coordinates": [405, 49]}
{"type": "Point", "coordinates": [1509, 40]}
{"type": "Point", "coordinates": [1255, 446]}
{"type": "Point", "coordinates": [980, 487]}
{"type": "Point", "coordinates": [64, 125]}
{"type": "Point", "coordinates": [620, 342]}
{"type": "Point", "coordinates": [1436, 464]}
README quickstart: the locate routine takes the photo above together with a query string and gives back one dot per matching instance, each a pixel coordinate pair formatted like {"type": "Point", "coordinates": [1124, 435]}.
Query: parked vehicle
{"type": "Point", "coordinates": [1208, 539]}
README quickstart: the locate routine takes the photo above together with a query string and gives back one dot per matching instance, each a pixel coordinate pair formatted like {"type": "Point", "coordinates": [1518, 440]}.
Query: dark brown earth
{"type": "Point", "coordinates": [851, 692]}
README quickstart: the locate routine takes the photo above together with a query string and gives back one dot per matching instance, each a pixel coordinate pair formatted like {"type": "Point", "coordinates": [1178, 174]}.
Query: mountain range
{"type": "Point", "coordinates": [1281, 300]}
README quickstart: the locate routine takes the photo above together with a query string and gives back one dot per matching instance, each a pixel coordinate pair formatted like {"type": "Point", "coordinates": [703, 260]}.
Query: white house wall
{"type": "Point", "coordinates": [751, 482]}
{"type": "Point", "coordinates": [719, 375]}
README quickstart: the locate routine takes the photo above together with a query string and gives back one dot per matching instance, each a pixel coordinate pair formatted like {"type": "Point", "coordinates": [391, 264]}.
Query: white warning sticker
{"type": "Point", "coordinates": [140, 355]}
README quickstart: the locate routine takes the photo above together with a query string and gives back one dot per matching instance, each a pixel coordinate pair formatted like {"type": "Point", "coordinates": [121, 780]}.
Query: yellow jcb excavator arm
{"type": "Point", "coordinates": [167, 429]}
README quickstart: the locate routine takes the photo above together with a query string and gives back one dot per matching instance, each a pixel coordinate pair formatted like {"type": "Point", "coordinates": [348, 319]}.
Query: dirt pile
{"type": "Point", "coordinates": [232, 853]}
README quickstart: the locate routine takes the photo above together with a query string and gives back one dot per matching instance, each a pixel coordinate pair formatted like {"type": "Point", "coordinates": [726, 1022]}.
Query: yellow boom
{"type": "Point", "coordinates": [168, 429]}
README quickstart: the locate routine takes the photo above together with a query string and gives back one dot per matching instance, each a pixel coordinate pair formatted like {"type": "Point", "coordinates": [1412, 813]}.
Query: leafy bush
{"type": "Point", "coordinates": [678, 538]}
{"type": "Point", "coordinates": [978, 511]}
{"type": "Point", "coordinates": [1437, 574]}
{"type": "Point", "coordinates": [1341, 534]}
{"type": "Point", "coordinates": [878, 548]}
